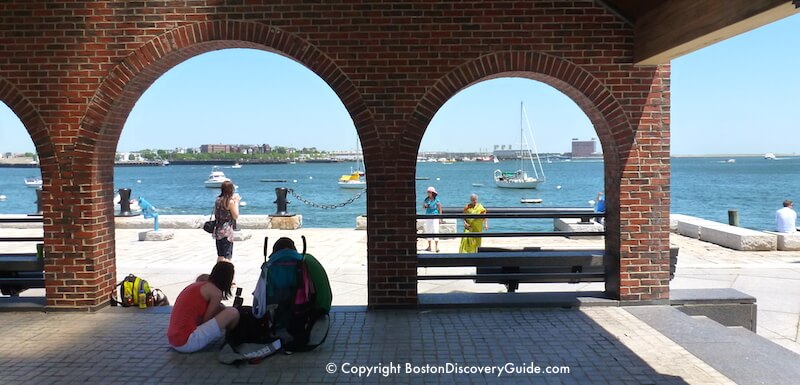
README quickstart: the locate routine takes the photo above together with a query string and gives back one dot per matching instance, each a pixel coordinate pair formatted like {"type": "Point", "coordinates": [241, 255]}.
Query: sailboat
{"type": "Point", "coordinates": [520, 179]}
{"type": "Point", "coordinates": [354, 179]}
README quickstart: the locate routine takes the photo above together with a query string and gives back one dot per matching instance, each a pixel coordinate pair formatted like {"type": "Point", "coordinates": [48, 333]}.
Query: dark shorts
{"type": "Point", "coordinates": [224, 248]}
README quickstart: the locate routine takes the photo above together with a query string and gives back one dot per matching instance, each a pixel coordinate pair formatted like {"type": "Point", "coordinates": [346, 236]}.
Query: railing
{"type": "Point", "coordinates": [517, 213]}
{"type": "Point", "coordinates": [527, 264]}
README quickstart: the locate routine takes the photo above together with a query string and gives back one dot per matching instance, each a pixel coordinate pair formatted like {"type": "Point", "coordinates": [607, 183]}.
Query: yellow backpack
{"type": "Point", "coordinates": [130, 290]}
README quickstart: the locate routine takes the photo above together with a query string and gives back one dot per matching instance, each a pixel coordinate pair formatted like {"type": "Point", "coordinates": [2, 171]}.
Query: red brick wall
{"type": "Point", "coordinates": [73, 70]}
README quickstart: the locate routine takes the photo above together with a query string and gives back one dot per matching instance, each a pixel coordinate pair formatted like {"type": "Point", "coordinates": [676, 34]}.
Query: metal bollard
{"type": "Point", "coordinates": [733, 217]}
{"type": "Point", "coordinates": [124, 202]}
{"type": "Point", "coordinates": [280, 193]}
{"type": "Point", "coordinates": [39, 201]}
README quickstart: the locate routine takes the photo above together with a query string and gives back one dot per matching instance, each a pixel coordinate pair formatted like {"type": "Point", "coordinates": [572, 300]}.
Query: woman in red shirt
{"type": "Point", "coordinates": [198, 317]}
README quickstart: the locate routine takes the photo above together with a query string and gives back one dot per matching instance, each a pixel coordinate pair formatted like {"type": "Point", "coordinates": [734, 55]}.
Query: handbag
{"type": "Point", "coordinates": [209, 225]}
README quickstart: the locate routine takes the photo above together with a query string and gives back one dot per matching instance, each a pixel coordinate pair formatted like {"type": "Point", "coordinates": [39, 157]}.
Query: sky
{"type": "Point", "coordinates": [735, 97]}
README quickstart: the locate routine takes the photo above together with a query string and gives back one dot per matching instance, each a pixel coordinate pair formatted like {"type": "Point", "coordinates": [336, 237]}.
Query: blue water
{"type": "Point", "coordinates": [703, 187]}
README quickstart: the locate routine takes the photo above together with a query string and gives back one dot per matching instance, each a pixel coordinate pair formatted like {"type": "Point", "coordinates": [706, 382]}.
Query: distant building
{"type": "Point", "coordinates": [585, 149]}
{"type": "Point", "coordinates": [215, 148]}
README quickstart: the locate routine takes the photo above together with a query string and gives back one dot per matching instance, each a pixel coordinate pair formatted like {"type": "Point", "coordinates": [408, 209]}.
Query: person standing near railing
{"type": "Point", "coordinates": [432, 205]}
{"type": "Point", "coordinates": [473, 225]}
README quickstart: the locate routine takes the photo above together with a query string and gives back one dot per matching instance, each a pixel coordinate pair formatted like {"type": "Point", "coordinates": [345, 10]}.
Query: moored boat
{"type": "Point", "coordinates": [520, 179]}
{"type": "Point", "coordinates": [215, 179]}
{"type": "Point", "coordinates": [33, 182]}
{"type": "Point", "coordinates": [352, 181]}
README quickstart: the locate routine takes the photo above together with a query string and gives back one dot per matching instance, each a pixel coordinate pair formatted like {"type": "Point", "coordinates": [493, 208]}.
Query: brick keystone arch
{"type": "Point", "coordinates": [100, 128]}
{"type": "Point", "coordinates": [606, 113]}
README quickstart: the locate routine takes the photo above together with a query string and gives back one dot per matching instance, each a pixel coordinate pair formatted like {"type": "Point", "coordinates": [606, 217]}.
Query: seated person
{"type": "Point", "coordinates": [786, 218]}
{"type": "Point", "coordinates": [199, 318]}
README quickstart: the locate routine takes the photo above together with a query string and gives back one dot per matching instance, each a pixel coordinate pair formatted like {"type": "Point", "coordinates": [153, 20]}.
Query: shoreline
{"type": "Point", "coordinates": [25, 162]}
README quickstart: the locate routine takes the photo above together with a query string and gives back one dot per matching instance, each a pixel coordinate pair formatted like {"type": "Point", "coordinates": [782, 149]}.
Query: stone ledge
{"type": "Point", "coordinates": [738, 238]}
{"type": "Point", "coordinates": [188, 222]}
{"type": "Point", "coordinates": [727, 306]}
{"type": "Point", "coordinates": [152, 235]}
{"type": "Point", "coordinates": [787, 241]}
{"type": "Point", "coordinates": [448, 227]}
{"type": "Point", "coordinates": [575, 224]}
{"type": "Point", "coordinates": [732, 237]}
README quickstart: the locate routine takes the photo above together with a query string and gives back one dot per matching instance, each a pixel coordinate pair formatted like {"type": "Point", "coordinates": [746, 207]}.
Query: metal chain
{"type": "Point", "coordinates": [327, 207]}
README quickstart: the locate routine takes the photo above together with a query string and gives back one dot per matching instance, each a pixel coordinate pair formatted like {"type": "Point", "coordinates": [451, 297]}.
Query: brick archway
{"type": "Point", "coordinates": [33, 123]}
{"type": "Point", "coordinates": [602, 108]}
{"type": "Point", "coordinates": [613, 125]}
{"type": "Point", "coordinates": [116, 96]}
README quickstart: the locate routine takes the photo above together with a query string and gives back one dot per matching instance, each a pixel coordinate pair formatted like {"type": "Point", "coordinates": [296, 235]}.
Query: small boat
{"type": "Point", "coordinates": [164, 163]}
{"type": "Point", "coordinates": [352, 181]}
{"type": "Point", "coordinates": [33, 182]}
{"type": "Point", "coordinates": [236, 165]}
{"type": "Point", "coordinates": [519, 179]}
{"type": "Point", "coordinates": [477, 185]}
{"type": "Point", "coordinates": [530, 200]}
{"type": "Point", "coordinates": [423, 178]}
{"type": "Point", "coordinates": [274, 180]}
{"type": "Point", "coordinates": [730, 161]}
{"type": "Point", "coordinates": [215, 179]}
{"type": "Point", "coordinates": [769, 156]}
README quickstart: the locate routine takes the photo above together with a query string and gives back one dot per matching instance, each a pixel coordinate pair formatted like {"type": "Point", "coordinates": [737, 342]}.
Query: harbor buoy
{"type": "Point", "coordinates": [138, 181]}
{"type": "Point", "coordinates": [294, 180]}
{"type": "Point", "coordinates": [311, 177]}
{"type": "Point", "coordinates": [438, 179]}
{"type": "Point", "coordinates": [558, 187]}
{"type": "Point", "coordinates": [242, 203]}
{"type": "Point", "coordinates": [2, 197]}
{"type": "Point", "coordinates": [591, 202]}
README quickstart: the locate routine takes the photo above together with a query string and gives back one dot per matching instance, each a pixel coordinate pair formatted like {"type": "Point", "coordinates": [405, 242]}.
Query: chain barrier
{"type": "Point", "coordinates": [327, 207]}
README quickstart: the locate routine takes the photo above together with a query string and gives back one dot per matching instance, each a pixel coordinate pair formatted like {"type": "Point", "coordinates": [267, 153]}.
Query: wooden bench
{"type": "Point", "coordinates": [21, 271]}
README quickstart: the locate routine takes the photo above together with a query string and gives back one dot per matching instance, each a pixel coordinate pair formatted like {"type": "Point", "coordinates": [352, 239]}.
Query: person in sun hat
{"type": "Point", "coordinates": [432, 205]}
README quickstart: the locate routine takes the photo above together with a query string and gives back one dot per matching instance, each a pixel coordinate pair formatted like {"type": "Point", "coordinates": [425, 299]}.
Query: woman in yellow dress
{"type": "Point", "coordinates": [473, 225]}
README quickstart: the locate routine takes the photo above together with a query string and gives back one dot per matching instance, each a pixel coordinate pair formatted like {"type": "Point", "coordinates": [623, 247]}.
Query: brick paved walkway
{"type": "Point", "coordinates": [598, 346]}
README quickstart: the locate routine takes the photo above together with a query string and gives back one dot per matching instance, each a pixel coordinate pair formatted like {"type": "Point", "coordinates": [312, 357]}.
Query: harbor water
{"type": "Point", "coordinates": [702, 187]}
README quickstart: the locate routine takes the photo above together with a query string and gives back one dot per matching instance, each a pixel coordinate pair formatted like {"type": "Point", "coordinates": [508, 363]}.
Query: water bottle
{"type": "Point", "coordinates": [142, 299]}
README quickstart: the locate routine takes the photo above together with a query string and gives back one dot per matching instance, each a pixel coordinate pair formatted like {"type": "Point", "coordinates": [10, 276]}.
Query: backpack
{"type": "Point", "coordinates": [297, 287]}
{"type": "Point", "coordinates": [251, 340]}
{"type": "Point", "coordinates": [131, 287]}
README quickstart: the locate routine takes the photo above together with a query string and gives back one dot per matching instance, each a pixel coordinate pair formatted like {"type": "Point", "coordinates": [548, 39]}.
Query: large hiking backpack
{"type": "Point", "coordinates": [295, 288]}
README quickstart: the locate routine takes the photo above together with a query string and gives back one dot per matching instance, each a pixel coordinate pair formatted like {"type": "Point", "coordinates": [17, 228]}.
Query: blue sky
{"type": "Point", "coordinates": [737, 96]}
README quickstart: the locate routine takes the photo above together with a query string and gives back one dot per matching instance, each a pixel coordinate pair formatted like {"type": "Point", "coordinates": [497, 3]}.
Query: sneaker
{"type": "Point", "coordinates": [428, 249]}
{"type": "Point", "coordinates": [437, 250]}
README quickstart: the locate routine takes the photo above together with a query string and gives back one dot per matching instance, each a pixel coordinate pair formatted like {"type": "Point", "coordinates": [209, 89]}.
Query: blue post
{"type": "Point", "coordinates": [148, 211]}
